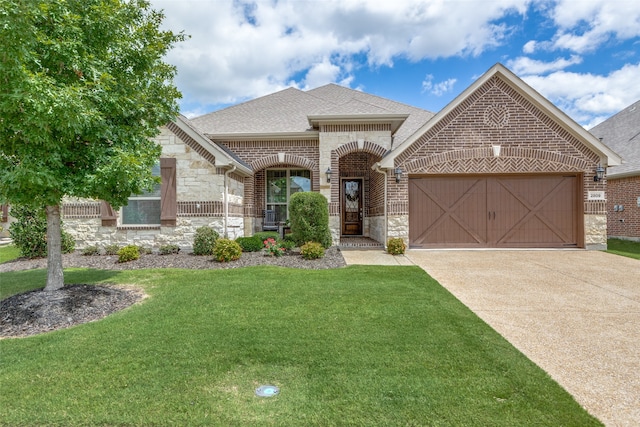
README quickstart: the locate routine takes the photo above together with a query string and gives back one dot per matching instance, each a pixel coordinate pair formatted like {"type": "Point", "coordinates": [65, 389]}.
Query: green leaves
{"type": "Point", "coordinates": [83, 89]}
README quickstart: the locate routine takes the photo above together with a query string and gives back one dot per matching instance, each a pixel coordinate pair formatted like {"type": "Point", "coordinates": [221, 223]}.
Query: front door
{"type": "Point", "coordinates": [352, 207]}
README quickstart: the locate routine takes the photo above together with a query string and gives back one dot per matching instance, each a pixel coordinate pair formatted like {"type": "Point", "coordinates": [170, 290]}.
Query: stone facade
{"type": "Point", "coordinates": [205, 196]}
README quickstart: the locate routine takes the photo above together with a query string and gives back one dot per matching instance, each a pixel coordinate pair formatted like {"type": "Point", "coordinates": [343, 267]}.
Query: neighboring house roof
{"type": "Point", "coordinates": [608, 155]}
{"type": "Point", "coordinates": [293, 113]}
{"type": "Point", "coordinates": [223, 158]}
{"type": "Point", "coordinates": [621, 132]}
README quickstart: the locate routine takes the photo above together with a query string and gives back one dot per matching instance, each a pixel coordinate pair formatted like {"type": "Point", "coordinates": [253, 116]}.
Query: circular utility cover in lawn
{"type": "Point", "coordinates": [267, 391]}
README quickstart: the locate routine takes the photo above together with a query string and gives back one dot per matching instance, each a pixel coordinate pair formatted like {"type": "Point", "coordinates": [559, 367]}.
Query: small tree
{"type": "Point", "coordinates": [309, 214]}
{"type": "Point", "coordinates": [83, 90]}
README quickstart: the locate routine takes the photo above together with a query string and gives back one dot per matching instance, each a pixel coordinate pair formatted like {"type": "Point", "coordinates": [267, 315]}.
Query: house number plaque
{"type": "Point", "coordinates": [595, 195]}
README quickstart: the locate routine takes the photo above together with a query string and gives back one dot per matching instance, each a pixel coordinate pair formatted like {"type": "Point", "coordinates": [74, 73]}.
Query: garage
{"type": "Point", "coordinates": [495, 211]}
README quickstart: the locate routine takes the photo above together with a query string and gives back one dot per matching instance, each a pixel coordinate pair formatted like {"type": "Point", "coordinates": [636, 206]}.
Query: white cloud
{"type": "Point", "coordinates": [530, 47]}
{"type": "Point", "coordinates": [585, 25]}
{"type": "Point", "coordinates": [527, 66]}
{"type": "Point", "coordinates": [586, 96]}
{"type": "Point", "coordinates": [437, 89]}
{"type": "Point", "coordinates": [241, 49]}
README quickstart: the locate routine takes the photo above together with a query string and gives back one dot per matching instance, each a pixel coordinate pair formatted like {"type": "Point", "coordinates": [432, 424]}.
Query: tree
{"type": "Point", "coordinates": [83, 90]}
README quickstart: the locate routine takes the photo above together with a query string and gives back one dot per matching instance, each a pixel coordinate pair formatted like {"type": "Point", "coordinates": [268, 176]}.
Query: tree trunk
{"type": "Point", "coordinates": [55, 277]}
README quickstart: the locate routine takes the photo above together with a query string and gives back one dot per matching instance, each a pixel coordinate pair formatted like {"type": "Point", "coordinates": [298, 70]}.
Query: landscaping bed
{"type": "Point", "coordinates": [332, 259]}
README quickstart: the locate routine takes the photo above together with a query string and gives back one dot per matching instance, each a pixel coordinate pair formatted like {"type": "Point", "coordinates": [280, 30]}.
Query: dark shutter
{"type": "Point", "coordinates": [168, 202]}
{"type": "Point", "coordinates": [108, 215]}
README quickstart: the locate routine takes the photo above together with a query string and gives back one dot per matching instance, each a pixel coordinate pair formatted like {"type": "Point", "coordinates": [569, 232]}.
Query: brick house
{"type": "Point", "coordinates": [621, 133]}
{"type": "Point", "coordinates": [500, 166]}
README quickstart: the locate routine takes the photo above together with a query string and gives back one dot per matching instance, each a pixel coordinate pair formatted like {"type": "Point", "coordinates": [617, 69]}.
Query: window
{"type": "Point", "coordinates": [145, 208]}
{"type": "Point", "coordinates": [281, 184]}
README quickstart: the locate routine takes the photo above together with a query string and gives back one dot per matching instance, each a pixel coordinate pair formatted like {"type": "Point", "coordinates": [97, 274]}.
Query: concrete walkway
{"type": "Point", "coordinates": [574, 313]}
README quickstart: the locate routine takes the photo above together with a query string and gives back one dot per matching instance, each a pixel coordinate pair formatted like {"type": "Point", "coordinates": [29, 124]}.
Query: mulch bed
{"type": "Point", "coordinates": [36, 312]}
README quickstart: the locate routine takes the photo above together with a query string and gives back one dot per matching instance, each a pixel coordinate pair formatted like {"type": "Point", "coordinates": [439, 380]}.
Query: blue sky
{"type": "Point", "coordinates": [583, 55]}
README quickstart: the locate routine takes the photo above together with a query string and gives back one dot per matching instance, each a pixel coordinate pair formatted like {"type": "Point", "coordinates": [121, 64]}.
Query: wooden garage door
{"type": "Point", "coordinates": [493, 211]}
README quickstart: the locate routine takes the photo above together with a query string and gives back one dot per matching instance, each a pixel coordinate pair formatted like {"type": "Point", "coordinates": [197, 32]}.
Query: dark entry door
{"type": "Point", "coordinates": [352, 206]}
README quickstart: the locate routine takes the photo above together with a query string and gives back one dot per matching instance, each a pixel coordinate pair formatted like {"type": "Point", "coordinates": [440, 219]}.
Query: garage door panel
{"type": "Point", "coordinates": [514, 211]}
{"type": "Point", "coordinates": [444, 212]}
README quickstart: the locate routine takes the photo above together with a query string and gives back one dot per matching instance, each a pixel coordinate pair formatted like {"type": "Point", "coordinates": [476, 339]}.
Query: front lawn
{"type": "Point", "coordinates": [362, 345]}
{"type": "Point", "coordinates": [8, 253]}
{"type": "Point", "coordinates": [626, 248]}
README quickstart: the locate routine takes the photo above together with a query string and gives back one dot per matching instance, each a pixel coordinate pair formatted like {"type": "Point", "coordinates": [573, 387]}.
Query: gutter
{"type": "Point", "coordinates": [384, 173]}
{"type": "Point", "coordinates": [226, 200]}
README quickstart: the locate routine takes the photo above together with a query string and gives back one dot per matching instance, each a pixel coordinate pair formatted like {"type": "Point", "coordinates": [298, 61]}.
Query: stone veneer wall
{"type": "Point", "coordinates": [530, 142]}
{"type": "Point", "coordinates": [625, 223]}
{"type": "Point", "coordinates": [200, 202]}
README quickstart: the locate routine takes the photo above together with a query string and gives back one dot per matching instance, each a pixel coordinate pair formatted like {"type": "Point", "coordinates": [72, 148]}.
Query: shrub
{"type": "Point", "coordinates": [29, 232]}
{"type": "Point", "coordinates": [312, 250]}
{"type": "Point", "coordinates": [144, 250]}
{"type": "Point", "coordinates": [128, 253]}
{"type": "Point", "coordinates": [287, 245]}
{"type": "Point", "coordinates": [226, 250]}
{"type": "Point", "coordinates": [250, 244]}
{"type": "Point", "coordinates": [396, 246]}
{"type": "Point", "coordinates": [310, 218]}
{"type": "Point", "coordinates": [111, 249]}
{"type": "Point", "coordinates": [90, 251]}
{"type": "Point", "coordinates": [204, 240]}
{"type": "Point", "coordinates": [169, 249]}
{"type": "Point", "coordinates": [273, 248]}
{"type": "Point", "coordinates": [264, 235]}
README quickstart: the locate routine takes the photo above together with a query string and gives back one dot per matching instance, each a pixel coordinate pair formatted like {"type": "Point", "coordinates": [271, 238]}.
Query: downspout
{"type": "Point", "coordinates": [226, 200]}
{"type": "Point", "coordinates": [384, 173]}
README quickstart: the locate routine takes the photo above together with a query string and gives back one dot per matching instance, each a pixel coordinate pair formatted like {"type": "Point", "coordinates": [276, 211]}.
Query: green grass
{"type": "Point", "coordinates": [362, 345]}
{"type": "Point", "coordinates": [626, 248]}
{"type": "Point", "coordinates": [8, 253]}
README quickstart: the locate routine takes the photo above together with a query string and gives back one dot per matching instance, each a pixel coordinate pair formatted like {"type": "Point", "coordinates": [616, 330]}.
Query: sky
{"type": "Point", "coordinates": [582, 55]}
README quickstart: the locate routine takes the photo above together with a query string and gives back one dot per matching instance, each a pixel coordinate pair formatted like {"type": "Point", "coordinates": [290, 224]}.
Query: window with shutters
{"type": "Point", "coordinates": [155, 208]}
{"type": "Point", "coordinates": [145, 208]}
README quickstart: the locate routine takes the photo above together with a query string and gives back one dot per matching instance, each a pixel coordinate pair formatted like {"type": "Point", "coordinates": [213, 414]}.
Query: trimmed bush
{"type": "Point", "coordinates": [128, 253]}
{"type": "Point", "coordinates": [265, 235]}
{"type": "Point", "coordinates": [145, 251]}
{"type": "Point", "coordinates": [250, 244]}
{"type": "Point", "coordinates": [91, 251]}
{"type": "Point", "coordinates": [288, 245]}
{"type": "Point", "coordinates": [396, 246]}
{"type": "Point", "coordinates": [226, 250]}
{"type": "Point", "coordinates": [312, 250]}
{"type": "Point", "coordinates": [111, 249]}
{"type": "Point", "coordinates": [169, 249]}
{"type": "Point", "coordinates": [29, 232]}
{"type": "Point", "coordinates": [309, 213]}
{"type": "Point", "coordinates": [204, 240]}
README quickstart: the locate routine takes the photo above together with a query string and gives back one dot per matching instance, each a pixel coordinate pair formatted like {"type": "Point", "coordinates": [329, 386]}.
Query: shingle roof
{"type": "Point", "coordinates": [621, 133]}
{"type": "Point", "coordinates": [286, 111]}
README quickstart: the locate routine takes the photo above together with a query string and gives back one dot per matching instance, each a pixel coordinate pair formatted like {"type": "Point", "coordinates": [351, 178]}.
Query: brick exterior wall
{"type": "Point", "coordinates": [261, 155]}
{"type": "Point", "coordinates": [624, 223]}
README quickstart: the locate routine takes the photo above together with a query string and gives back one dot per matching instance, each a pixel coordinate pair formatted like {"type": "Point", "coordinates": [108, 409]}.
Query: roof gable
{"type": "Point", "coordinates": [498, 71]}
{"type": "Point", "coordinates": [288, 112]}
{"type": "Point", "coordinates": [621, 132]}
{"type": "Point", "coordinates": [223, 158]}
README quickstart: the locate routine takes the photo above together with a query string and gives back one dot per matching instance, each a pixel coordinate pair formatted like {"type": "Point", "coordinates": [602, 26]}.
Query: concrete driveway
{"type": "Point", "coordinates": [574, 313]}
